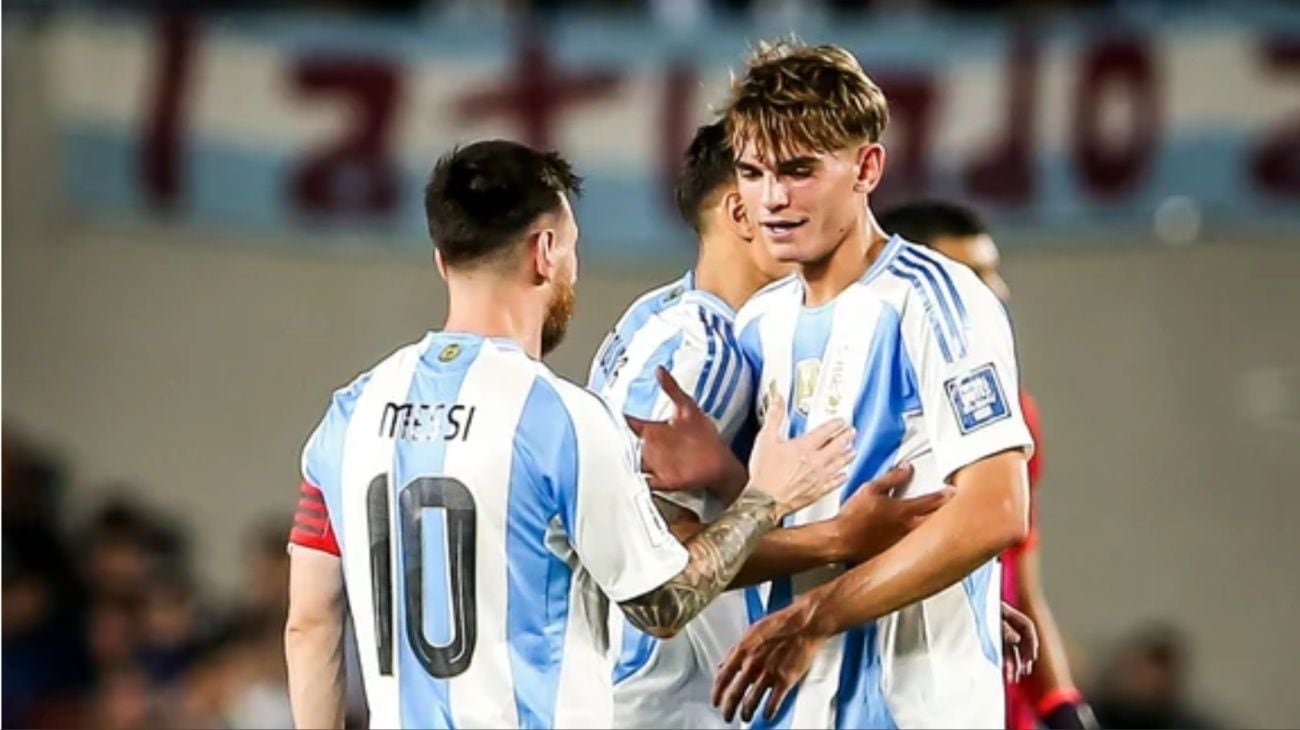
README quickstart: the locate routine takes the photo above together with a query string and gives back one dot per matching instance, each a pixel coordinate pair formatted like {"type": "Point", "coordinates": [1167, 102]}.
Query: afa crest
{"type": "Point", "coordinates": [805, 384]}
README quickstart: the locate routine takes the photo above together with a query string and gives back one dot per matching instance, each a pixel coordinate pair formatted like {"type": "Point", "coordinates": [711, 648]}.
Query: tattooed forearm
{"type": "Point", "coordinates": [716, 554]}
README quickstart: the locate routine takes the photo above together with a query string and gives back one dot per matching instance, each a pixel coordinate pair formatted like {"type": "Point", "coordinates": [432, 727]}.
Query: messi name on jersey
{"type": "Point", "coordinates": [426, 421]}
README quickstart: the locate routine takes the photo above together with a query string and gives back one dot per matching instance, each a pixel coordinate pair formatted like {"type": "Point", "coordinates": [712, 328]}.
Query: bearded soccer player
{"type": "Point", "coordinates": [1047, 696]}
{"type": "Point", "coordinates": [482, 512]}
{"type": "Point", "coordinates": [918, 354]}
{"type": "Point", "coordinates": [686, 327]}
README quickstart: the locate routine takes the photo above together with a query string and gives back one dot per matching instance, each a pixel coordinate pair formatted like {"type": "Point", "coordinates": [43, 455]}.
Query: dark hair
{"type": "Point", "coordinates": [925, 221]}
{"type": "Point", "coordinates": [480, 198]}
{"type": "Point", "coordinates": [709, 165]}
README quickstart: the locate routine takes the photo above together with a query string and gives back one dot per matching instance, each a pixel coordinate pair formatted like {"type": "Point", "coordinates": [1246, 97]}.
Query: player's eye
{"type": "Point", "coordinates": [799, 173]}
{"type": "Point", "coordinates": [748, 173]}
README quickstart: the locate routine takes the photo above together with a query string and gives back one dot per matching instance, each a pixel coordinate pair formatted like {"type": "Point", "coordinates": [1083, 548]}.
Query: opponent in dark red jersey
{"type": "Point", "coordinates": [1048, 695]}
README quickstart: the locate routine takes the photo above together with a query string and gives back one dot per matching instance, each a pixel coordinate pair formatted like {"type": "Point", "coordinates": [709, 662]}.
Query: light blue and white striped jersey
{"type": "Point", "coordinates": [691, 332]}
{"type": "Point", "coordinates": [487, 512]}
{"type": "Point", "coordinates": [688, 331]}
{"type": "Point", "coordinates": [918, 356]}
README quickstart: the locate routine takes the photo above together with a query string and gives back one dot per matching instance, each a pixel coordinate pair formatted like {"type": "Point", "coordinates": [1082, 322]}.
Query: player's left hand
{"type": "Point", "coordinates": [685, 452]}
{"type": "Point", "coordinates": [772, 656]}
{"type": "Point", "coordinates": [1019, 643]}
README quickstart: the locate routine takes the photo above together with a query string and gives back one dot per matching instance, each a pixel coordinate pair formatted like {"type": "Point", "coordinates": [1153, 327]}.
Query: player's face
{"type": "Point", "coordinates": [731, 212]}
{"type": "Point", "coordinates": [979, 254]}
{"type": "Point", "coordinates": [802, 206]}
{"type": "Point", "coordinates": [564, 278]}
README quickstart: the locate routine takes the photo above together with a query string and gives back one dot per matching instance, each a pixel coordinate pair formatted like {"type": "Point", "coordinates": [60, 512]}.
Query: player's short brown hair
{"type": "Point", "coordinates": [794, 97]}
{"type": "Point", "coordinates": [481, 198]}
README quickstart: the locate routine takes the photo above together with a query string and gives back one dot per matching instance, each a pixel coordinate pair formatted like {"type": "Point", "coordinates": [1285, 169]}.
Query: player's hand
{"type": "Point", "coordinates": [1019, 644]}
{"type": "Point", "coordinates": [773, 655]}
{"type": "Point", "coordinates": [872, 520]}
{"type": "Point", "coordinates": [797, 472]}
{"type": "Point", "coordinates": [685, 452]}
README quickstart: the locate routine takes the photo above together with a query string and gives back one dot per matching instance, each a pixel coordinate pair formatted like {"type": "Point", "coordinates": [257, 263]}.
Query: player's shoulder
{"type": "Point", "coordinates": [345, 397]}
{"type": "Point", "coordinates": [578, 403]}
{"type": "Point", "coordinates": [766, 299]}
{"type": "Point", "coordinates": [652, 303]}
{"type": "Point", "coordinates": [910, 273]}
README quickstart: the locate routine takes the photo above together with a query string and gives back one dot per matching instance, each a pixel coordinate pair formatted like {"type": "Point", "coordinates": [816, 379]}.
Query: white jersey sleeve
{"type": "Point", "coordinates": [959, 341]}
{"type": "Point", "coordinates": [614, 526]}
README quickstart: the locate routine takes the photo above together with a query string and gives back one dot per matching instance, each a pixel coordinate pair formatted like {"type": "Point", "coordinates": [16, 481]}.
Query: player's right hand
{"type": "Point", "coordinates": [685, 452]}
{"type": "Point", "coordinates": [871, 520]}
{"type": "Point", "coordinates": [797, 472]}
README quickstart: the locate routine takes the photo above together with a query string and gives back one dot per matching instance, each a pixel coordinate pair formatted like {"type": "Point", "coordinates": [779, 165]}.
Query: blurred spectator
{"type": "Point", "coordinates": [44, 658]}
{"type": "Point", "coordinates": [121, 636]}
{"type": "Point", "coordinates": [1145, 684]}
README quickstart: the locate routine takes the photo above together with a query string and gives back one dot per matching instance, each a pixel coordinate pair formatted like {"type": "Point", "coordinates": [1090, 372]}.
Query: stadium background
{"type": "Point", "coordinates": [211, 220]}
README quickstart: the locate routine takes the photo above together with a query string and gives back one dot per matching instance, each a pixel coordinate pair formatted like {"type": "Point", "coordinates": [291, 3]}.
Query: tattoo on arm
{"type": "Point", "coordinates": [716, 554]}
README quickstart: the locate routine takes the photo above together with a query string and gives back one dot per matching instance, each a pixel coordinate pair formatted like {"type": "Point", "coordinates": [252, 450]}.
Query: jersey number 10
{"type": "Point", "coordinates": [454, 498]}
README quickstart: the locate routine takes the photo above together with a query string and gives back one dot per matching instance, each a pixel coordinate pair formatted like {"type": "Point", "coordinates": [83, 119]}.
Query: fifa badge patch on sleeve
{"type": "Point", "coordinates": [977, 398]}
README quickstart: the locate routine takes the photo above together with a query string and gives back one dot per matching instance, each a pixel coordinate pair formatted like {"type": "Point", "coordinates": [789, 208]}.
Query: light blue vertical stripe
{"type": "Point", "coordinates": [887, 393]}
{"type": "Point", "coordinates": [424, 700]}
{"type": "Point", "coordinates": [860, 701]}
{"type": "Point", "coordinates": [638, 648]}
{"type": "Point", "coordinates": [644, 390]}
{"type": "Point", "coordinates": [977, 594]}
{"type": "Point", "coordinates": [811, 333]}
{"type": "Point", "coordinates": [543, 486]}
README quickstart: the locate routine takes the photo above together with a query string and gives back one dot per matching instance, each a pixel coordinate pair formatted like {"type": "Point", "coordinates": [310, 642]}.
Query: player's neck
{"type": "Point", "coordinates": [825, 279]}
{"type": "Point", "coordinates": [491, 308]}
{"type": "Point", "coordinates": [726, 271]}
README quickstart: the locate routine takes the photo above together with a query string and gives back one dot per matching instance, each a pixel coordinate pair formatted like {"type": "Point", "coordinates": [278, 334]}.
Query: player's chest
{"type": "Point", "coordinates": [827, 363]}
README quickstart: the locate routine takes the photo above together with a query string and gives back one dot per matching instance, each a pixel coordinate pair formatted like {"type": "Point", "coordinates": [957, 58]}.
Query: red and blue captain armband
{"type": "Point", "coordinates": [311, 522]}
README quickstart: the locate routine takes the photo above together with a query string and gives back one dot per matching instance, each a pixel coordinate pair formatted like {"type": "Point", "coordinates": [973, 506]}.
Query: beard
{"type": "Point", "coordinates": [558, 313]}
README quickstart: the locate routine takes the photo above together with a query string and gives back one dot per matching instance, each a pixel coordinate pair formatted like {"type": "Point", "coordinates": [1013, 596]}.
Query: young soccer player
{"type": "Point", "coordinates": [918, 354]}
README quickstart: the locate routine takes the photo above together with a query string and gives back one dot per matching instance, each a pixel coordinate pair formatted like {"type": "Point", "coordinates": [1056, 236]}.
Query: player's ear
{"type": "Point", "coordinates": [542, 243]}
{"type": "Point", "coordinates": [733, 211]}
{"type": "Point", "coordinates": [442, 265]}
{"type": "Point", "coordinates": [870, 162]}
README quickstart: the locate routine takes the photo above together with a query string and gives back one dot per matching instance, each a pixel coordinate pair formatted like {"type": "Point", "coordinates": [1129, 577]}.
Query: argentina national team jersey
{"type": "Point", "coordinates": [487, 512]}
{"type": "Point", "coordinates": [918, 356]}
{"type": "Point", "coordinates": [690, 332]}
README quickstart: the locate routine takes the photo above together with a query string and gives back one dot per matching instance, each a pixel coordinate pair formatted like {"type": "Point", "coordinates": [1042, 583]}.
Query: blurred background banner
{"type": "Point", "coordinates": [256, 124]}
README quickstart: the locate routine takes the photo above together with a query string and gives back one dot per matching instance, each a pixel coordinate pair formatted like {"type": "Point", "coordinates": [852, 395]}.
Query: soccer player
{"type": "Point", "coordinates": [1048, 695]}
{"type": "Point", "coordinates": [482, 512]}
{"type": "Point", "coordinates": [919, 355]}
{"type": "Point", "coordinates": [686, 327]}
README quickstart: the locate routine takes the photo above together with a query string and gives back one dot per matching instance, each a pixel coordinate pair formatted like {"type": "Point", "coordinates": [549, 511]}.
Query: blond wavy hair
{"type": "Point", "coordinates": [797, 98]}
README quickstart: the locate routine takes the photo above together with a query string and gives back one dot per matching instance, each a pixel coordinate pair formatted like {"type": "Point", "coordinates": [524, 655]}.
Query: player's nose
{"type": "Point", "coordinates": [774, 193]}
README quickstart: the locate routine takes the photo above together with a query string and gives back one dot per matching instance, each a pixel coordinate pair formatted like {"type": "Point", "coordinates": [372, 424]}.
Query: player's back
{"type": "Point", "coordinates": [451, 471]}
